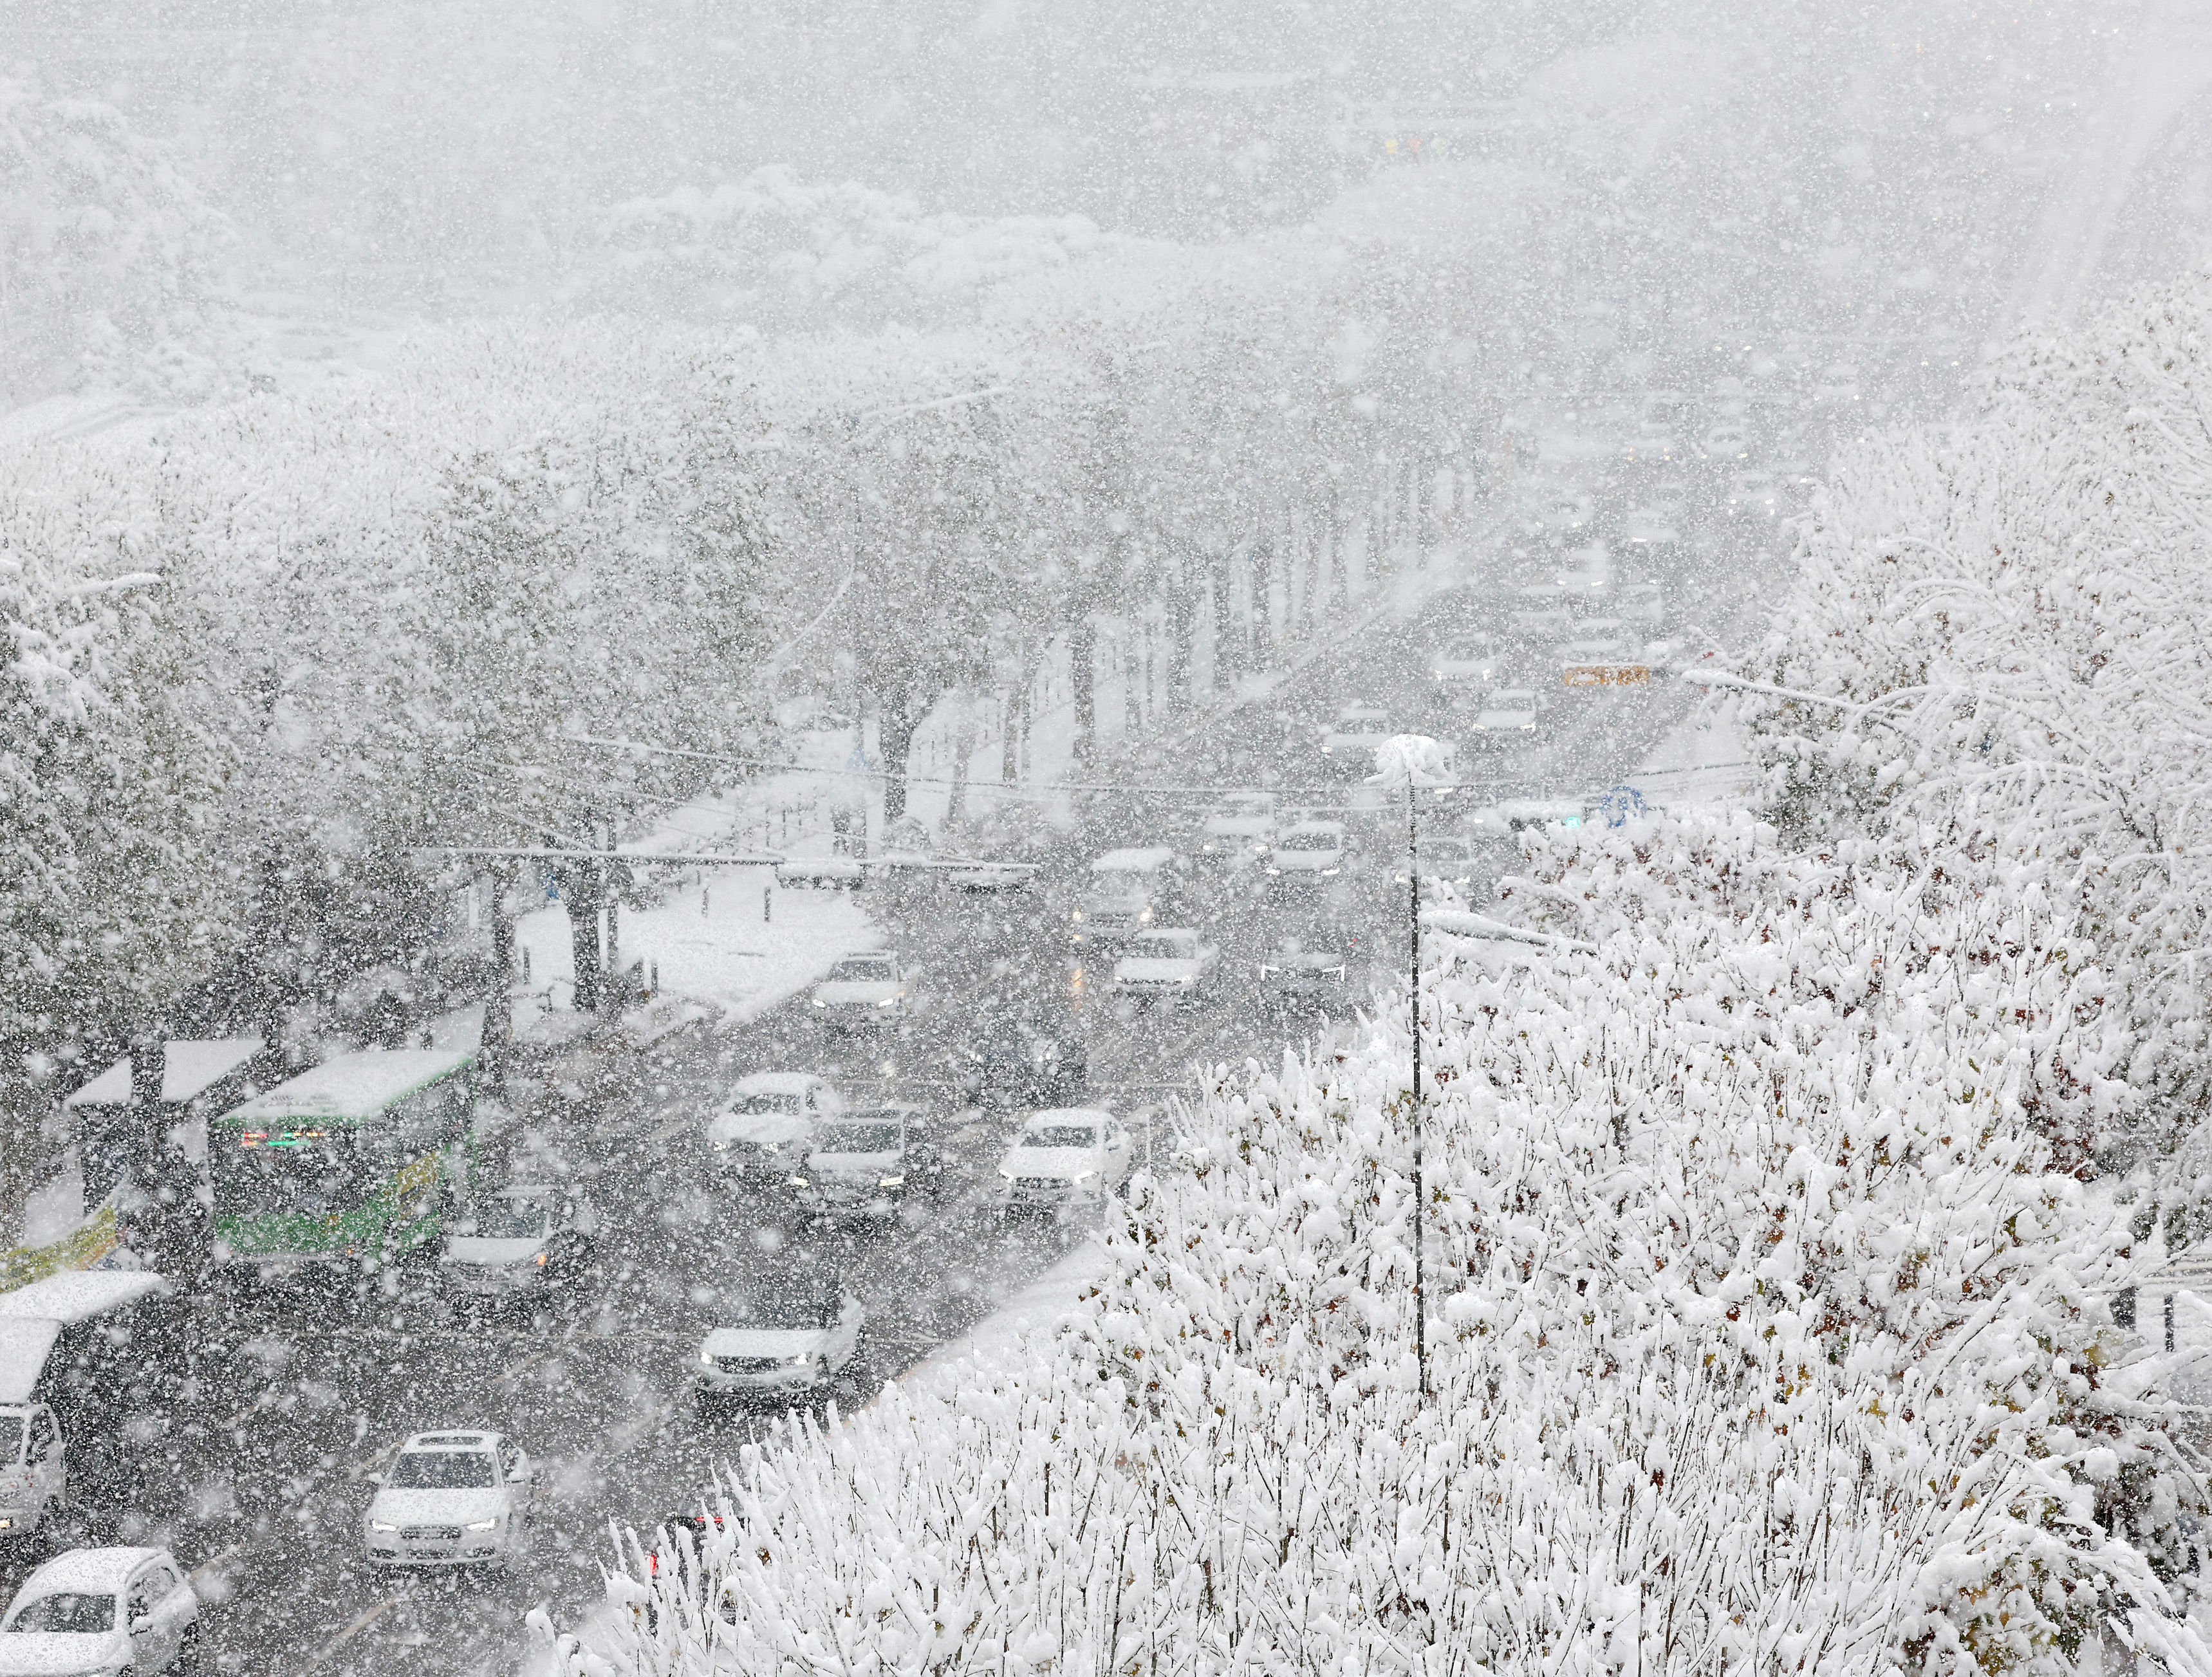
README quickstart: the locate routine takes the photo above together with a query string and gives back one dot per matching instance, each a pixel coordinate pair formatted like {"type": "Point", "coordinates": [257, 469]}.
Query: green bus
{"type": "Point", "coordinates": [354, 1163]}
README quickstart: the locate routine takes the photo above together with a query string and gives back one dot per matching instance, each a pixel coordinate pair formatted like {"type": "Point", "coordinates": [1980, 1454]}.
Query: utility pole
{"type": "Point", "coordinates": [1414, 941]}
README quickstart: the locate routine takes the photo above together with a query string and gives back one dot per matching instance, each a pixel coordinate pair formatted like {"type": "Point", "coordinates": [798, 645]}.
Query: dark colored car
{"type": "Point", "coordinates": [1023, 1062]}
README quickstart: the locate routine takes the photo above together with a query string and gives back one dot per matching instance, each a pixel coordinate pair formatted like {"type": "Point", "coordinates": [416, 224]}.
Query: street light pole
{"type": "Point", "coordinates": [1414, 940]}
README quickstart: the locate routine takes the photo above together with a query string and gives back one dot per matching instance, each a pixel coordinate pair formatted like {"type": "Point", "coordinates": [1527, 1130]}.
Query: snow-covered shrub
{"type": "Point", "coordinates": [1995, 632]}
{"type": "Point", "coordinates": [1762, 1338]}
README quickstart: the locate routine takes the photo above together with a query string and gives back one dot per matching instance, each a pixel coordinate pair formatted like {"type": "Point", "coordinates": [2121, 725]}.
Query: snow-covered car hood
{"type": "Point", "coordinates": [760, 1129]}
{"type": "Point", "coordinates": [1051, 1161]}
{"type": "Point", "coordinates": [1305, 862]}
{"type": "Point", "coordinates": [1506, 718]}
{"type": "Point", "coordinates": [856, 995]}
{"type": "Point", "coordinates": [1156, 967]}
{"type": "Point", "coordinates": [435, 1508]}
{"type": "Point", "coordinates": [62, 1653]}
{"type": "Point", "coordinates": [485, 1249]}
{"type": "Point", "coordinates": [777, 1342]}
{"type": "Point", "coordinates": [853, 1165]}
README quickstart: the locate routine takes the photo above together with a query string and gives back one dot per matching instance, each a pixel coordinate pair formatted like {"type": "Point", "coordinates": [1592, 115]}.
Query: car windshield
{"type": "Point", "coordinates": [514, 1219]}
{"type": "Point", "coordinates": [781, 1308]}
{"type": "Point", "coordinates": [862, 972]}
{"type": "Point", "coordinates": [1112, 883]}
{"type": "Point", "coordinates": [444, 1470]}
{"type": "Point", "coordinates": [1466, 651]}
{"type": "Point", "coordinates": [1309, 842]}
{"type": "Point", "coordinates": [760, 1104]}
{"type": "Point", "coordinates": [12, 1428]}
{"type": "Point", "coordinates": [1159, 946]}
{"type": "Point", "coordinates": [858, 1138]}
{"type": "Point", "coordinates": [66, 1612]}
{"type": "Point", "coordinates": [1060, 1135]}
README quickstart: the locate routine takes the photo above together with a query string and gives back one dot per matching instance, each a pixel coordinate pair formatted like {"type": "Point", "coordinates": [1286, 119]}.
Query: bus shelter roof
{"type": "Point", "coordinates": [352, 1086]}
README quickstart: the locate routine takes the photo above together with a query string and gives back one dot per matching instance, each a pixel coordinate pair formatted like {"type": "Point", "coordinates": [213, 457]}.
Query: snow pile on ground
{"type": "Point", "coordinates": [1761, 1336]}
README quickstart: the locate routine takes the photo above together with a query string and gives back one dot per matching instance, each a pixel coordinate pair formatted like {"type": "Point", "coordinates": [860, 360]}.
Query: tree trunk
{"type": "Point", "coordinates": [1009, 728]}
{"type": "Point", "coordinates": [963, 747]}
{"type": "Point", "coordinates": [1135, 634]}
{"type": "Point", "coordinates": [1181, 627]}
{"type": "Point", "coordinates": [495, 1043]}
{"type": "Point", "coordinates": [1082, 677]}
{"type": "Point", "coordinates": [897, 719]}
{"type": "Point", "coordinates": [1224, 623]}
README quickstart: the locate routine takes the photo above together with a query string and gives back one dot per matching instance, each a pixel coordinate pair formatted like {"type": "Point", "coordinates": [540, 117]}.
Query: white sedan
{"type": "Point", "coordinates": [459, 1498]}
{"type": "Point", "coordinates": [868, 988]}
{"type": "Point", "coordinates": [103, 1610]}
{"type": "Point", "coordinates": [768, 1122]}
{"type": "Point", "coordinates": [1171, 963]}
{"type": "Point", "coordinates": [790, 1336]}
{"type": "Point", "coordinates": [1240, 828]}
{"type": "Point", "coordinates": [1314, 850]}
{"type": "Point", "coordinates": [1065, 1155]}
{"type": "Point", "coordinates": [1510, 713]}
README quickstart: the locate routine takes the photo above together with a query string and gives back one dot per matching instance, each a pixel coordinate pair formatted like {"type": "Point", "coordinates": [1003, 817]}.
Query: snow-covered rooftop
{"type": "Point", "coordinates": [353, 1085]}
{"type": "Point", "coordinates": [187, 1068]}
{"type": "Point", "coordinates": [24, 1344]}
{"type": "Point", "coordinates": [77, 1295]}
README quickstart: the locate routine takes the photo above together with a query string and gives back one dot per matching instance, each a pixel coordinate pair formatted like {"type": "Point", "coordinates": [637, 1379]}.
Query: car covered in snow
{"type": "Point", "coordinates": [1508, 715]}
{"type": "Point", "coordinates": [869, 1160]}
{"type": "Point", "coordinates": [1347, 744]}
{"type": "Point", "coordinates": [1540, 611]}
{"type": "Point", "coordinates": [1166, 963]}
{"type": "Point", "coordinates": [455, 1498]}
{"type": "Point", "coordinates": [1296, 979]}
{"type": "Point", "coordinates": [1065, 1155]}
{"type": "Point", "coordinates": [105, 1610]}
{"type": "Point", "coordinates": [523, 1240]}
{"type": "Point", "coordinates": [1310, 852]}
{"type": "Point", "coordinates": [791, 1333]}
{"type": "Point", "coordinates": [1126, 891]}
{"type": "Point", "coordinates": [1467, 663]}
{"type": "Point", "coordinates": [867, 987]}
{"type": "Point", "coordinates": [1239, 827]}
{"type": "Point", "coordinates": [769, 1122]}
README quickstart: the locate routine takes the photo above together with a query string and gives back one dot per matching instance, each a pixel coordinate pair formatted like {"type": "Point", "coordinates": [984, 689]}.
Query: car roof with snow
{"type": "Point", "coordinates": [1139, 859]}
{"type": "Point", "coordinates": [775, 1083]}
{"type": "Point", "coordinates": [93, 1571]}
{"type": "Point", "coordinates": [1068, 1115]}
{"type": "Point", "coordinates": [353, 1085]}
{"type": "Point", "coordinates": [462, 1438]}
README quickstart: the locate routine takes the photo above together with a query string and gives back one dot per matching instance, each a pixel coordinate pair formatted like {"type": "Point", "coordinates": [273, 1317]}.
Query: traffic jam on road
{"type": "Point", "coordinates": [417, 1322]}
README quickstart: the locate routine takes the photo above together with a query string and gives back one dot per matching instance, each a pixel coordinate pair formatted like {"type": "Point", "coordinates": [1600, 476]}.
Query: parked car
{"type": "Point", "coordinates": [1508, 714]}
{"type": "Point", "coordinates": [1021, 1061]}
{"type": "Point", "coordinates": [1467, 664]}
{"type": "Point", "coordinates": [1298, 980]}
{"type": "Point", "coordinates": [770, 1121]}
{"type": "Point", "coordinates": [461, 1497]}
{"type": "Point", "coordinates": [1347, 745]}
{"type": "Point", "coordinates": [869, 1160]}
{"type": "Point", "coordinates": [1309, 853]}
{"type": "Point", "coordinates": [796, 1334]}
{"type": "Point", "coordinates": [1166, 963]}
{"type": "Point", "coordinates": [523, 1240]}
{"type": "Point", "coordinates": [866, 988]}
{"type": "Point", "coordinates": [103, 1611]}
{"type": "Point", "coordinates": [1127, 890]}
{"type": "Point", "coordinates": [1240, 828]}
{"type": "Point", "coordinates": [1065, 1155]}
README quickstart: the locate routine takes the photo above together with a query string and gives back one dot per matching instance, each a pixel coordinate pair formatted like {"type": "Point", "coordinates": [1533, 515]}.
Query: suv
{"type": "Point", "coordinates": [865, 1162]}
{"type": "Point", "coordinates": [1022, 1062]}
{"type": "Point", "coordinates": [461, 1498]}
{"type": "Point", "coordinates": [103, 1610]}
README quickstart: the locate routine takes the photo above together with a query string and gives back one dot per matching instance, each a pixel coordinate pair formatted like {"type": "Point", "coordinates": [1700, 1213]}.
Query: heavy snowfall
{"type": "Point", "coordinates": [905, 840]}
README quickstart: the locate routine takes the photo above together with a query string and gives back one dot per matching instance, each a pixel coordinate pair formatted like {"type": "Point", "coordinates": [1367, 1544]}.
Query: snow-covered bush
{"type": "Point", "coordinates": [1762, 1338]}
{"type": "Point", "coordinates": [1995, 632]}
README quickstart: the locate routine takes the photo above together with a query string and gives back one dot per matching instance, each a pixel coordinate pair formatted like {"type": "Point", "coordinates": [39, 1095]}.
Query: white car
{"type": "Point", "coordinates": [1347, 745]}
{"type": "Point", "coordinates": [456, 1498]}
{"type": "Point", "coordinates": [1539, 611]}
{"type": "Point", "coordinates": [1510, 713]}
{"type": "Point", "coordinates": [1728, 442]}
{"type": "Point", "coordinates": [33, 1462]}
{"type": "Point", "coordinates": [103, 1611]}
{"type": "Point", "coordinates": [770, 1121]}
{"type": "Point", "coordinates": [1473, 661]}
{"type": "Point", "coordinates": [1447, 859]}
{"type": "Point", "coordinates": [1171, 962]}
{"type": "Point", "coordinates": [1753, 492]}
{"type": "Point", "coordinates": [793, 1337]}
{"type": "Point", "coordinates": [1127, 890]}
{"type": "Point", "coordinates": [1240, 827]}
{"type": "Point", "coordinates": [522, 1240]}
{"type": "Point", "coordinates": [1065, 1156]}
{"type": "Point", "coordinates": [868, 1161]}
{"type": "Point", "coordinates": [868, 987]}
{"type": "Point", "coordinates": [1312, 850]}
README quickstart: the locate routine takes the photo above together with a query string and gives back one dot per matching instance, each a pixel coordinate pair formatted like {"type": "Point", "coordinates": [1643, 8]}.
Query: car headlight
{"type": "Point", "coordinates": [1077, 916]}
{"type": "Point", "coordinates": [480, 1525]}
{"type": "Point", "coordinates": [1275, 870]}
{"type": "Point", "coordinates": [818, 1002]}
{"type": "Point", "coordinates": [539, 1260]}
{"type": "Point", "coordinates": [1082, 1176]}
{"type": "Point", "coordinates": [382, 1525]}
{"type": "Point", "coordinates": [800, 1181]}
{"type": "Point", "coordinates": [797, 1362]}
{"type": "Point", "coordinates": [1330, 873]}
{"type": "Point", "coordinates": [1187, 978]}
{"type": "Point", "coordinates": [888, 1001]}
{"type": "Point", "coordinates": [890, 1181]}
{"type": "Point", "coordinates": [1145, 917]}
{"type": "Point", "coordinates": [1007, 1174]}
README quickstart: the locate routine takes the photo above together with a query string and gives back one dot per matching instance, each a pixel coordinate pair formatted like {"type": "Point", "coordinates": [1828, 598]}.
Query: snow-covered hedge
{"type": "Point", "coordinates": [1997, 629]}
{"type": "Point", "coordinates": [1762, 1338]}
